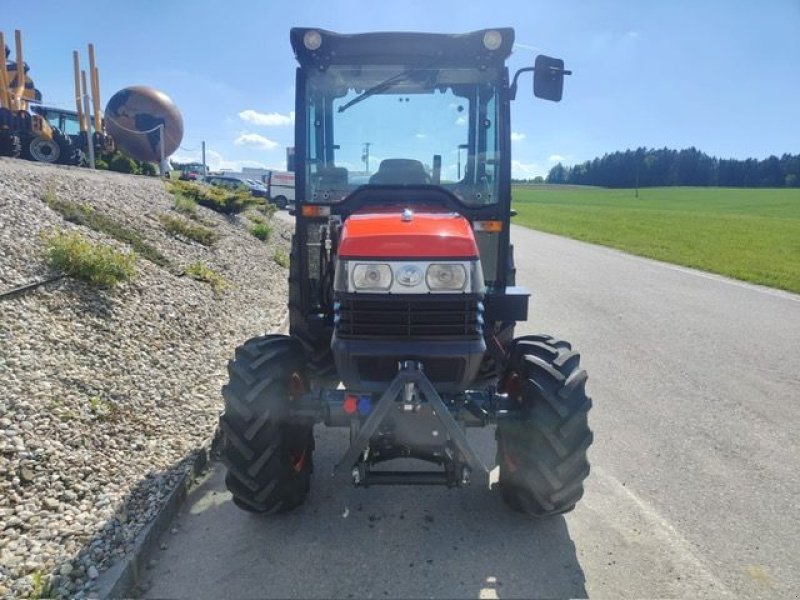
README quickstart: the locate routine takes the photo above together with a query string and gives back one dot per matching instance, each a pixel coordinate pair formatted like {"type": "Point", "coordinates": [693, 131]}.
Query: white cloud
{"type": "Point", "coordinates": [556, 158]}
{"type": "Point", "coordinates": [521, 170]}
{"type": "Point", "coordinates": [254, 139]}
{"type": "Point", "coordinates": [517, 137]}
{"type": "Point", "coordinates": [421, 136]}
{"type": "Point", "coordinates": [461, 121]}
{"type": "Point", "coordinates": [269, 119]}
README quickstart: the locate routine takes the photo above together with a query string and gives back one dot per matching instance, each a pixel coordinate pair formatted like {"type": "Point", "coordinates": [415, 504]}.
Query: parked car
{"type": "Point", "coordinates": [255, 189]}
{"type": "Point", "coordinates": [256, 186]}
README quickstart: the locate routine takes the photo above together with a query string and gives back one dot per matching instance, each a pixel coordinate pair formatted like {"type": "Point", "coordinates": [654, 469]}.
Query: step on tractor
{"type": "Point", "coordinates": [402, 294]}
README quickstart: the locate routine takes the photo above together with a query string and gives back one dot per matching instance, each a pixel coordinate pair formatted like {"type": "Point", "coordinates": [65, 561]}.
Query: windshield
{"type": "Point", "coordinates": [390, 125]}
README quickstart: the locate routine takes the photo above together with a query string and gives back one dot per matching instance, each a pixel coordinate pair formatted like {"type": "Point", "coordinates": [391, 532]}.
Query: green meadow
{"type": "Point", "coordinates": [750, 234]}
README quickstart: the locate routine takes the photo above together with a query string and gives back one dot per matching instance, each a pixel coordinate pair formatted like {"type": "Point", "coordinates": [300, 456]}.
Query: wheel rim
{"type": "Point", "coordinates": [507, 457]}
{"type": "Point", "coordinates": [46, 151]}
{"type": "Point", "coordinates": [512, 385]}
{"type": "Point", "coordinates": [298, 460]}
{"type": "Point", "coordinates": [299, 457]}
{"type": "Point", "coordinates": [297, 387]}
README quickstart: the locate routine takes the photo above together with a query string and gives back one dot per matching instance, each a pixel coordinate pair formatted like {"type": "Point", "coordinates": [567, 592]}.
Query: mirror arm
{"type": "Point", "coordinates": [513, 88]}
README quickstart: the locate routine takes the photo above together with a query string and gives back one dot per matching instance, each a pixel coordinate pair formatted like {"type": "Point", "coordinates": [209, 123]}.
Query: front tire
{"type": "Point", "coordinates": [281, 202]}
{"type": "Point", "coordinates": [542, 454]}
{"type": "Point", "coordinates": [58, 150]}
{"type": "Point", "coordinates": [269, 459]}
{"type": "Point", "coordinates": [10, 144]}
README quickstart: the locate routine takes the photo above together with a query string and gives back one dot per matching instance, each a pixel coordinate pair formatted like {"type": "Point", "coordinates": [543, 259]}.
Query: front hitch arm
{"type": "Point", "coordinates": [409, 372]}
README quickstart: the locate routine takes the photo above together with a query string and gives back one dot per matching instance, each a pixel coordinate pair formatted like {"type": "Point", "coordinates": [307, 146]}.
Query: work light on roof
{"type": "Point", "coordinates": [492, 39]}
{"type": "Point", "coordinates": [312, 40]}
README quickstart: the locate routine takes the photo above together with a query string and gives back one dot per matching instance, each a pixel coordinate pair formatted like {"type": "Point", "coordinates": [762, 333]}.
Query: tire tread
{"type": "Point", "coordinates": [543, 454]}
{"type": "Point", "coordinates": [258, 441]}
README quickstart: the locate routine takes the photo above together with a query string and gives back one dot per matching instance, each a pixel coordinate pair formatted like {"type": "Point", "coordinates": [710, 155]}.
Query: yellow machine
{"type": "Point", "coordinates": [31, 130]}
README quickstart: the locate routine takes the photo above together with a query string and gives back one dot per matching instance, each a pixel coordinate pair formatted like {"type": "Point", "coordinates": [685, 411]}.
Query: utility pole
{"type": "Point", "coordinates": [89, 135]}
{"type": "Point", "coordinates": [203, 146]}
{"type": "Point", "coordinates": [161, 144]}
{"type": "Point", "coordinates": [365, 155]}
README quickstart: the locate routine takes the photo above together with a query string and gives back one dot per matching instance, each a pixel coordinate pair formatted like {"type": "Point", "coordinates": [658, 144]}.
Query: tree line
{"type": "Point", "coordinates": [646, 167]}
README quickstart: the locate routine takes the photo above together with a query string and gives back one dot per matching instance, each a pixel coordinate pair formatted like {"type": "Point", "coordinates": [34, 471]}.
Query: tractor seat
{"type": "Point", "coordinates": [330, 176]}
{"type": "Point", "coordinates": [400, 171]}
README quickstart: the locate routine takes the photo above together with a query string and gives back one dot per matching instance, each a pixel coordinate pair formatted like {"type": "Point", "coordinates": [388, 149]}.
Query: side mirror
{"type": "Point", "coordinates": [548, 78]}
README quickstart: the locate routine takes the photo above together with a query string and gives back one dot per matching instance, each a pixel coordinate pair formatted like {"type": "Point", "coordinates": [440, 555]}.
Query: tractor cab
{"type": "Point", "coordinates": [412, 122]}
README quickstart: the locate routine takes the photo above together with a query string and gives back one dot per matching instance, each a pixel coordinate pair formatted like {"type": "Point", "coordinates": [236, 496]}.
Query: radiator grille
{"type": "Point", "coordinates": [412, 317]}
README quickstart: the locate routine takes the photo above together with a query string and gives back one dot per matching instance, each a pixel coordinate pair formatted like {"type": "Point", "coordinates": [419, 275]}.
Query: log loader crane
{"type": "Point", "coordinates": [31, 130]}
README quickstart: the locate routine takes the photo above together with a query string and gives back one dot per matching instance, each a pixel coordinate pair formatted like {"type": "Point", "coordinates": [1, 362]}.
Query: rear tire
{"type": "Point", "coordinates": [491, 367]}
{"type": "Point", "coordinates": [319, 356]}
{"type": "Point", "coordinates": [542, 455]}
{"type": "Point", "coordinates": [281, 202]}
{"type": "Point", "coordinates": [269, 460]}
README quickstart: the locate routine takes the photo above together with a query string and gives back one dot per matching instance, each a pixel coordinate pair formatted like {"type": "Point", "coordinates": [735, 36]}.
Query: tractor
{"type": "Point", "coordinates": [402, 293]}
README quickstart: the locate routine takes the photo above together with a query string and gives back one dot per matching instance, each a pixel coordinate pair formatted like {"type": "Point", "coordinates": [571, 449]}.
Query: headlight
{"type": "Point", "coordinates": [492, 39]}
{"type": "Point", "coordinates": [446, 277]}
{"type": "Point", "coordinates": [312, 40]}
{"type": "Point", "coordinates": [409, 277]}
{"type": "Point", "coordinates": [372, 277]}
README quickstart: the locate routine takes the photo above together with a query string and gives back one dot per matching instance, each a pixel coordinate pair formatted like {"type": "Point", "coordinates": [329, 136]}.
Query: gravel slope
{"type": "Point", "coordinates": [105, 393]}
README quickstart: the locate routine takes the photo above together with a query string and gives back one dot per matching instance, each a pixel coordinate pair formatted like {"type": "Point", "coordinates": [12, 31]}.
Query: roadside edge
{"type": "Point", "coordinates": [121, 578]}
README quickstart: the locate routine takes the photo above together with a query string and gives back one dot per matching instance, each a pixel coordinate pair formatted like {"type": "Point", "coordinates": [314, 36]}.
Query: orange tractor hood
{"type": "Point", "coordinates": [396, 234]}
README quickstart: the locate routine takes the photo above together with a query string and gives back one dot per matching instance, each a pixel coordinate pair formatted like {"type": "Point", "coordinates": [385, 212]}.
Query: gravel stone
{"type": "Point", "coordinates": [26, 475]}
{"type": "Point", "coordinates": [107, 394]}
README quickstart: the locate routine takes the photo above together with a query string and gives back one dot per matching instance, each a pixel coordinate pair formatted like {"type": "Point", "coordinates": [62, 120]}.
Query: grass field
{"type": "Point", "coordinates": [749, 234]}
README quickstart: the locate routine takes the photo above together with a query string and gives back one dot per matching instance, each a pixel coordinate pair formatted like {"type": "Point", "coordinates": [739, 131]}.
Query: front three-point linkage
{"type": "Point", "coordinates": [410, 392]}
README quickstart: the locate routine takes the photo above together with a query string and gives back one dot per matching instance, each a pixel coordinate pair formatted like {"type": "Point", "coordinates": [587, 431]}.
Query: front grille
{"type": "Point", "coordinates": [410, 317]}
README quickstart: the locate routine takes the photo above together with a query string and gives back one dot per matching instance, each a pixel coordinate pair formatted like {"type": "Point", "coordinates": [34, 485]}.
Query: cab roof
{"type": "Point", "coordinates": [402, 48]}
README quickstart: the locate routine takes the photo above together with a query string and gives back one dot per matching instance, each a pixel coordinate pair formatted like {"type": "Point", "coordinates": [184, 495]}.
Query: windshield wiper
{"type": "Point", "coordinates": [378, 88]}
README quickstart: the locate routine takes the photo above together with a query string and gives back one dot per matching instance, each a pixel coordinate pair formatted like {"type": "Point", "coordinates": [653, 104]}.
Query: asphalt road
{"type": "Point", "coordinates": [694, 490]}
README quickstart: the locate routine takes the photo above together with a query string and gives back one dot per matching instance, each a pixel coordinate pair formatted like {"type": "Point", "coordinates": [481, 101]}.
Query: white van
{"type": "Point", "coordinates": [280, 188]}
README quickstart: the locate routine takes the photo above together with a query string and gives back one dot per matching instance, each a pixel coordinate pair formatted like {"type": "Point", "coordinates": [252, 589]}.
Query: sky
{"type": "Point", "coordinates": [720, 75]}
